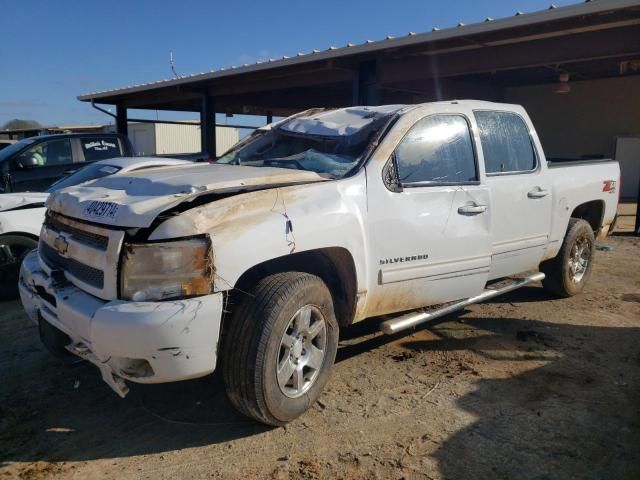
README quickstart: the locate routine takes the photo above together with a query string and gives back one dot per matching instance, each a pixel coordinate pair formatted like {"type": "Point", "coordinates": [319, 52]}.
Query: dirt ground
{"type": "Point", "coordinates": [524, 387]}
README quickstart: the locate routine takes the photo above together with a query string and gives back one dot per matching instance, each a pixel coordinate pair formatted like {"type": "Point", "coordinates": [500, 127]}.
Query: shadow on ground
{"type": "Point", "coordinates": [573, 415]}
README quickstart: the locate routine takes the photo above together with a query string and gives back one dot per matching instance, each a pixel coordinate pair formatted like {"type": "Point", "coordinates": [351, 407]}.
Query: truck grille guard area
{"type": "Point", "coordinates": [54, 223]}
{"type": "Point", "coordinates": [86, 254]}
{"type": "Point", "coordinates": [85, 273]}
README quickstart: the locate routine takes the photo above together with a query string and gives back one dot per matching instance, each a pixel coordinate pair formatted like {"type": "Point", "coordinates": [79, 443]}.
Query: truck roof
{"type": "Point", "coordinates": [339, 122]}
{"type": "Point", "coordinates": [346, 120]}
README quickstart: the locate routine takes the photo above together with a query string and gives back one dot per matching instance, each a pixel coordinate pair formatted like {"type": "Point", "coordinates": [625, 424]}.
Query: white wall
{"type": "Point", "coordinates": [168, 138]}
{"type": "Point", "coordinates": [172, 138]}
{"type": "Point", "coordinates": [226, 137]}
{"type": "Point", "coordinates": [142, 136]}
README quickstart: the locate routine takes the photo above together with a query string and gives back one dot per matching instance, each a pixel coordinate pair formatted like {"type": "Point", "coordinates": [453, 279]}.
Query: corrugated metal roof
{"type": "Point", "coordinates": [552, 13]}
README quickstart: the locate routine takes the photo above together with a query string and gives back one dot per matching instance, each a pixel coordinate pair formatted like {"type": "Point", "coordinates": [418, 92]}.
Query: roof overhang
{"type": "Point", "coordinates": [588, 40]}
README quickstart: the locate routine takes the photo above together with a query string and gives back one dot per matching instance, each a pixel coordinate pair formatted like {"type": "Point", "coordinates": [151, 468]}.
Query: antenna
{"type": "Point", "coordinates": [172, 65]}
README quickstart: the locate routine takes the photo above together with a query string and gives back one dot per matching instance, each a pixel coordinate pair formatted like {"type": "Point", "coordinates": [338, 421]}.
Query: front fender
{"type": "Point", "coordinates": [27, 221]}
{"type": "Point", "coordinates": [251, 228]}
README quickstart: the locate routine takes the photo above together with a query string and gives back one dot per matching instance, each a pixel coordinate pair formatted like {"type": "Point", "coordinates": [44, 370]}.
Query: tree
{"type": "Point", "coordinates": [18, 124]}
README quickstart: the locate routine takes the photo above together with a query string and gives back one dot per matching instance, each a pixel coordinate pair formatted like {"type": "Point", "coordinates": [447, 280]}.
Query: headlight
{"type": "Point", "coordinates": [165, 270]}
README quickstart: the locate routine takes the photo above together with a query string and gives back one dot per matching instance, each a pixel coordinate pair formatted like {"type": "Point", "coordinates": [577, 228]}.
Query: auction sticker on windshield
{"type": "Point", "coordinates": [97, 209]}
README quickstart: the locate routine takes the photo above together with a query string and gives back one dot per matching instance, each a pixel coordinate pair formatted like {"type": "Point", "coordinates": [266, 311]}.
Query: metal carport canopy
{"type": "Point", "coordinates": [468, 59]}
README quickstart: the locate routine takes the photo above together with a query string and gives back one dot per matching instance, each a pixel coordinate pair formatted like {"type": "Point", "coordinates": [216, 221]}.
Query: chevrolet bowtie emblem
{"type": "Point", "coordinates": [61, 244]}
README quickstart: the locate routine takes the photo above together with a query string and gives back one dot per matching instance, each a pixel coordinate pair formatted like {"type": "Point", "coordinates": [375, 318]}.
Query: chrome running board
{"type": "Point", "coordinates": [410, 320]}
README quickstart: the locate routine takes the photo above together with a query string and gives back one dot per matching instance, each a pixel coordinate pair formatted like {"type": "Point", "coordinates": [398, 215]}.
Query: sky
{"type": "Point", "coordinates": [53, 51]}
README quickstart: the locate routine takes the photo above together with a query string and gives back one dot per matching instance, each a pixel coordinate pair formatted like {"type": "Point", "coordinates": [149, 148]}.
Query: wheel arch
{"type": "Point", "coordinates": [334, 265]}
{"type": "Point", "coordinates": [16, 235]}
{"type": "Point", "coordinates": [592, 212]}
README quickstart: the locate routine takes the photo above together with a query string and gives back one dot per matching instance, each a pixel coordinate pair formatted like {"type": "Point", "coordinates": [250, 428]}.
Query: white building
{"type": "Point", "coordinates": [169, 138]}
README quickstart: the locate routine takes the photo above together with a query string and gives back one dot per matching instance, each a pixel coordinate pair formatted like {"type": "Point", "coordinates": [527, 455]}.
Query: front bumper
{"type": "Point", "coordinates": [145, 342]}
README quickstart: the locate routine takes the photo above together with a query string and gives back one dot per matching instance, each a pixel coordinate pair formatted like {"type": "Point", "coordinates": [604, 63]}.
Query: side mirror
{"type": "Point", "coordinates": [27, 161]}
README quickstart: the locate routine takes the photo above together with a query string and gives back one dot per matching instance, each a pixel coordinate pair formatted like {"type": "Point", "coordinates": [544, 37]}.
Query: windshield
{"type": "Point", "coordinates": [85, 174]}
{"type": "Point", "coordinates": [315, 144]}
{"type": "Point", "coordinates": [16, 147]}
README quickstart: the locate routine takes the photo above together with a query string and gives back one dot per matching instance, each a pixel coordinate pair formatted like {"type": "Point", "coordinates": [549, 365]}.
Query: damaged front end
{"type": "Point", "coordinates": [143, 312]}
{"type": "Point", "coordinates": [165, 270]}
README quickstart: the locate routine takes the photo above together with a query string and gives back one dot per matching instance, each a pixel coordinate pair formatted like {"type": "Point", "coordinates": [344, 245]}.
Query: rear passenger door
{"type": "Point", "coordinates": [40, 165]}
{"type": "Point", "coordinates": [520, 192]}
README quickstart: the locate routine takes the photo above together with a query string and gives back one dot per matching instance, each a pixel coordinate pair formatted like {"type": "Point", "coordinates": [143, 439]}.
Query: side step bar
{"type": "Point", "coordinates": [413, 319]}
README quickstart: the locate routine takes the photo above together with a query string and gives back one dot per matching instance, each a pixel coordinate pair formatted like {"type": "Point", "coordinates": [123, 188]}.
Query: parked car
{"type": "Point", "coordinates": [34, 163]}
{"type": "Point", "coordinates": [22, 214]}
{"type": "Point", "coordinates": [4, 143]}
{"type": "Point", "coordinates": [305, 227]}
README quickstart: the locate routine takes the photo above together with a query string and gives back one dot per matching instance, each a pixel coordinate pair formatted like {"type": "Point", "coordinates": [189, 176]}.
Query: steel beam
{"type": "Point", "coordinates": [365, 90]}
{"type": "Point", "coordinates": [122, 125]}
{"type": "Point", "coordinates": [637, 226]}
{"type": "Point", "coordinates": [208, 126]}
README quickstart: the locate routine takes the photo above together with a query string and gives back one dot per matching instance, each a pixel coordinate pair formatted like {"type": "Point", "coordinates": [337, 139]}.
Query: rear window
{"type": "Point", "coordinates": [100, 148]}
{"type": "Point", "coordinates": [506, 142]}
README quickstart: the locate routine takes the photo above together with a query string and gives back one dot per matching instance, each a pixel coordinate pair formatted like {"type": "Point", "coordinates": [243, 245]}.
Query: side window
{"type": "Point", "coordinates": [437, 149]}
{"type": "Point", "coordinates": [51, 153]}
{"type": "Point", "coordinates": [505, 142]}
{"type": "Point", "coordinates": [96, 148]}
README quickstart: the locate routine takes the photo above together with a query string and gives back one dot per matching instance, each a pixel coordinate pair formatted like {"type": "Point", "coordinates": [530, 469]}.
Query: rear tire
{"type": "Point", "coordinates": [568, 272]}
{"type": "Point", "coordinates": [279, 347]}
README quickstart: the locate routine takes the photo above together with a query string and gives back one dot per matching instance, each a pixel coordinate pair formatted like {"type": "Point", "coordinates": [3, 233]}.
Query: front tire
{"type": "Point", "coordinates": [568, 272]}
{"type": "Point", "coordinates": [279, 348]}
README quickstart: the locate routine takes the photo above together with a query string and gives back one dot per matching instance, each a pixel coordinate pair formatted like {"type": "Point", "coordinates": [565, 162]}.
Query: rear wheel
{"type": "Point", "coordinates": [279, 348]}
{"type": "Point", "coordinates": [14, 249]}
{"type": "Point", "coordinates": [568, 272]}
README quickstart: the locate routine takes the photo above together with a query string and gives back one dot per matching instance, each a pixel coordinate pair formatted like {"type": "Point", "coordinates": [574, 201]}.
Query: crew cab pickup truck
{"type": "Point", "coordinates": [307, 226]}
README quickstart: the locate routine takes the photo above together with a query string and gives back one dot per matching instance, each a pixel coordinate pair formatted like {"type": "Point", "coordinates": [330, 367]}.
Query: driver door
{"type": "Point", "coordinates": [40, 165]}
{"type": "Point", "coordinates": [430, 236]}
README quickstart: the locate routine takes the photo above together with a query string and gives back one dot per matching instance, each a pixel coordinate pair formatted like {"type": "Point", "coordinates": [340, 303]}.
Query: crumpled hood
{"type": "Point", "coordinates": [136, 199]}
{"type": "Point", "coordinates": [9, 201]}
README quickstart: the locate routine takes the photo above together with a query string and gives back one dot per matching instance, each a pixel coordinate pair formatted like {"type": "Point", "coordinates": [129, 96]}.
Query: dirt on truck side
{"type": "Point", "coordinates": [527, 386]}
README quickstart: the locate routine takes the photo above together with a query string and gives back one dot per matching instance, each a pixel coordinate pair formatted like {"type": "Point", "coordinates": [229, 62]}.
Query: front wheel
{"type": "Point", "coordinates": [568, 272]}
{"type": "Point", "coordinates": [279, 348]}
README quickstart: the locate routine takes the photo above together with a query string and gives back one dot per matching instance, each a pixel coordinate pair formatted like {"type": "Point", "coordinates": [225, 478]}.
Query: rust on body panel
{"type": "Point", "coordinates": [395, 298]}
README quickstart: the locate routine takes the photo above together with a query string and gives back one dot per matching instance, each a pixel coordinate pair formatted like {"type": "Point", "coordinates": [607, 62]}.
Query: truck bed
{"type": "Point", "coordinates": [555, 162]}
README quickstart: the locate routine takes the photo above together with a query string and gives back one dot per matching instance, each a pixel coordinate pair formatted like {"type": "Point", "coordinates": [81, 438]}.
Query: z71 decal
{"type": "Point", "coordinates": [98, 209]}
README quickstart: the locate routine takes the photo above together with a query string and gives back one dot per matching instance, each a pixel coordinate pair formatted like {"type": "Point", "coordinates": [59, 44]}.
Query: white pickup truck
{"type": "Point", "coordinates": [305, 227]}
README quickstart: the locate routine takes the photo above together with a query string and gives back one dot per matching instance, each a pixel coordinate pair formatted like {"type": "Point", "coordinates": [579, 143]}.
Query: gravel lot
{"type": "Point", "coordinates": [526, 387]}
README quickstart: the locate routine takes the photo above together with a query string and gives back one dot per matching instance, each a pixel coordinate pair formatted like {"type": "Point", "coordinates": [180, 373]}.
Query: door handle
{"type": "Point", "coordinates": [538, 193]}
{"type": "Point", "coordinates": [472, 209]}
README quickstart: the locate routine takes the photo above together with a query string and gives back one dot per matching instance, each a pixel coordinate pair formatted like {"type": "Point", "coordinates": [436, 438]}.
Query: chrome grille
{"type": "Point", "coordinates": [87, 254]}
{"type": "Point", "coordinates": [92, 239]}
{"type": "Point", "coordinates": [84, 273]}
